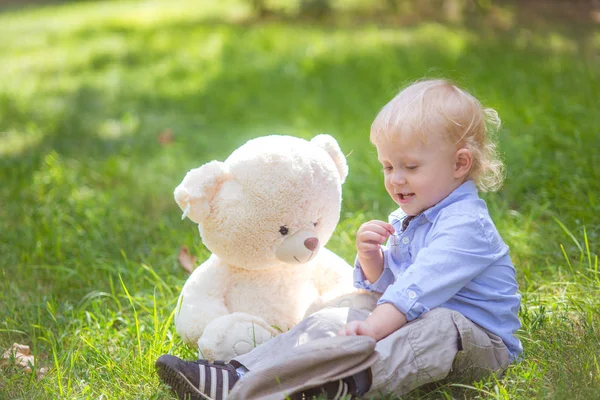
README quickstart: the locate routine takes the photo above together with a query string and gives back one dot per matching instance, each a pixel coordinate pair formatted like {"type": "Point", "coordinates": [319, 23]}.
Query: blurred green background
{"type": "Point", "coordinates": [105, 105]}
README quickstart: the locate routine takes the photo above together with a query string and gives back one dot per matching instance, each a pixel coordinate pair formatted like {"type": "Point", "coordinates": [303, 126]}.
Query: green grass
{"type": "Point", "coordinates": [89, 232]}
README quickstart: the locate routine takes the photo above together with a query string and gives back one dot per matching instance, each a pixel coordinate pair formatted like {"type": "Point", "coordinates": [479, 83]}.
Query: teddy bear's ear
{"type": "Point", "coordinates": [331, 146]}
{"type": "Point", "coordinates": [195, 192]}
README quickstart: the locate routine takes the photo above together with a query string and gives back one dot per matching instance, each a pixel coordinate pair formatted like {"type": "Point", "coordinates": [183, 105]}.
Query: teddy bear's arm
{"type": "Point", "coordinates": [332, 274]}
{"type": "Point", "coordinates": [202, 299]}
{"type": "Point", "coordinates": [333, 278]}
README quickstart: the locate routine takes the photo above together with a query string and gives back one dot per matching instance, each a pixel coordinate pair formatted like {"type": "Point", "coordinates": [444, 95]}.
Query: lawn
{"type": "Point", "coordinates": [89, 231]}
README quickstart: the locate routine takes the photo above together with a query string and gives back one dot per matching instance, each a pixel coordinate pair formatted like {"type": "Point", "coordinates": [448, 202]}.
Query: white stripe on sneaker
{"type": "Point", "coordinates": [225, 384]}
{"type": "Point", "coordinates": [202, 378]}
{"type": "Point", "coordinates": [213, 380]}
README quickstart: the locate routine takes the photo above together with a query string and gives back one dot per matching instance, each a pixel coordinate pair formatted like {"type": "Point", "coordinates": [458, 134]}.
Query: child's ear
{"type": "Point", "coordinates": [463, 162]}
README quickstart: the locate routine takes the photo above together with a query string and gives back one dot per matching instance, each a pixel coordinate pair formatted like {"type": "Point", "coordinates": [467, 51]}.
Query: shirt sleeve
{"type": "Point", "coordinates": [459, 249]}
{"type": "Point", "coordinates": [381, 284]}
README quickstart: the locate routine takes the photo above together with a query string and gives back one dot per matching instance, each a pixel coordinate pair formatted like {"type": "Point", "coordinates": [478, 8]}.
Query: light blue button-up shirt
{"type": "Point", "coordinates": [451, 256]}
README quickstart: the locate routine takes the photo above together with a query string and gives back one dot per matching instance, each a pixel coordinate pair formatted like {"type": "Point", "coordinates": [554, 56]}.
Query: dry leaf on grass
{"type": "Point", "coordinates": [187, 261]}
{"type": "Point", "coordinates": [20, 355]}
{"type": "Point", "coordinates": [166, 137]}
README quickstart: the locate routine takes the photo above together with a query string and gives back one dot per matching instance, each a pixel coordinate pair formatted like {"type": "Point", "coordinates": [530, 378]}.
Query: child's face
{"type": "Point", "coordinates": [418, 175]}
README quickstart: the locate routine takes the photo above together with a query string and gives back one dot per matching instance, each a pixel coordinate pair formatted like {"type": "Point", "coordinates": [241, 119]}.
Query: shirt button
{"type": "Point", "coordinates": [412, 294]}
{"type": "Point", "coordinates": [405, 240]}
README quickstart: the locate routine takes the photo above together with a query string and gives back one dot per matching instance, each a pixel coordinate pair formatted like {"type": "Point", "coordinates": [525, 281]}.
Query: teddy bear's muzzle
{"type": "Point", "coordinates": [299, 248]}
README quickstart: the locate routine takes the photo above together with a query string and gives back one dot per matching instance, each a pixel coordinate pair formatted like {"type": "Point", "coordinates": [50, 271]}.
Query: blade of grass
{"type": "Point", "coordinates": [135, 316]}
{"type": "Point", "coordinates": [568, 232]}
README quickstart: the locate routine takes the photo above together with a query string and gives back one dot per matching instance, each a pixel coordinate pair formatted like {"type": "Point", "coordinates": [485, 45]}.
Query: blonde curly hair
{"type": "Point", "coordinates": [438, 106]}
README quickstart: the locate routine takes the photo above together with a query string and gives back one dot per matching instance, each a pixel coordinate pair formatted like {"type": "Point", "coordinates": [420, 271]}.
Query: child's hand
{"type": "Point", "coordinates": [384, 319]}
{"type": "Point", "coordinates": [371, 235]}
{"type": "Point", "coordinates": [357, 328]}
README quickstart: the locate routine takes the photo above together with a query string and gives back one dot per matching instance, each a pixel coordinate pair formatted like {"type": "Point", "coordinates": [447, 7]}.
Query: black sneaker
{"type": "Point", "coordinates": [347, 388]}
{"type": "Point", "coordinates": [197, 380]}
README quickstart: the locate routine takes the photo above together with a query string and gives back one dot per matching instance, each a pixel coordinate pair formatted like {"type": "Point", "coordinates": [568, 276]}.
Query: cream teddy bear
{"type": "Point", "coordinates": [265, 213]}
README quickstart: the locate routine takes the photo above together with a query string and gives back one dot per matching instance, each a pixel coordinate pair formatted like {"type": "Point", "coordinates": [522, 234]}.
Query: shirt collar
{"type": "Point", "coordinates": [467, 189]}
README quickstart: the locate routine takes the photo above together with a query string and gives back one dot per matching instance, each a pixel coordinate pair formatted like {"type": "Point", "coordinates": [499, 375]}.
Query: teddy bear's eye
{"type": "Point", "coordinates": [283, 230]}
{"type": "Point", "coordinates": [315, 224]}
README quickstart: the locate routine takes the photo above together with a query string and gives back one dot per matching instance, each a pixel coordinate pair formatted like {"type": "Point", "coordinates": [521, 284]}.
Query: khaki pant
{"type": "Point", "coordinates": [441, 343]}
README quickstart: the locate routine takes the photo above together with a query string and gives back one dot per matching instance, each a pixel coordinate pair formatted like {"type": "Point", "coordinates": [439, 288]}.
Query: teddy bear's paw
{"type": "Point", "coordinates": [251, 334]}
{"type": "Point", "coordinates": [233, 335]}
{"type": "Point", "coordinates": [359, 300]}
{"type": "Point", "coordinates": [256, 335]}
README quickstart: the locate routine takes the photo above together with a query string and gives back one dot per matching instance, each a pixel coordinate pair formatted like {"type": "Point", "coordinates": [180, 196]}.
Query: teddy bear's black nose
{"type": "Point", "coordinates": [311, 243]}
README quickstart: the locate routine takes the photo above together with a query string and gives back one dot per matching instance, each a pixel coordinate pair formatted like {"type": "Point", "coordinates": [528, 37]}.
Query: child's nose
{"type": "Point", "coordinates": [398, 178]}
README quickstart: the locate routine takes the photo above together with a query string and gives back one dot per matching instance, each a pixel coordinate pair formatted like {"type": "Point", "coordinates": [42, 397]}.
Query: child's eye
{"type": "Point", "coordinates": [387, 168]}
{"type": "Point", "coordinates": [411, 167]}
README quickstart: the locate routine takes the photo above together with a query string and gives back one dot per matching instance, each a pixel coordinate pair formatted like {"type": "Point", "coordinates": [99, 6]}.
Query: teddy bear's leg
{"type": "Point", "coordinates": [359, 299]}
{"type": "Point", "coordinates": [232, 335]}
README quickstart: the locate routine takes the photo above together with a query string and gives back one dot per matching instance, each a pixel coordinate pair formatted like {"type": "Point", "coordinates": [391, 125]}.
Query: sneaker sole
{"type": "Point", "coordinates": [179, 383]}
